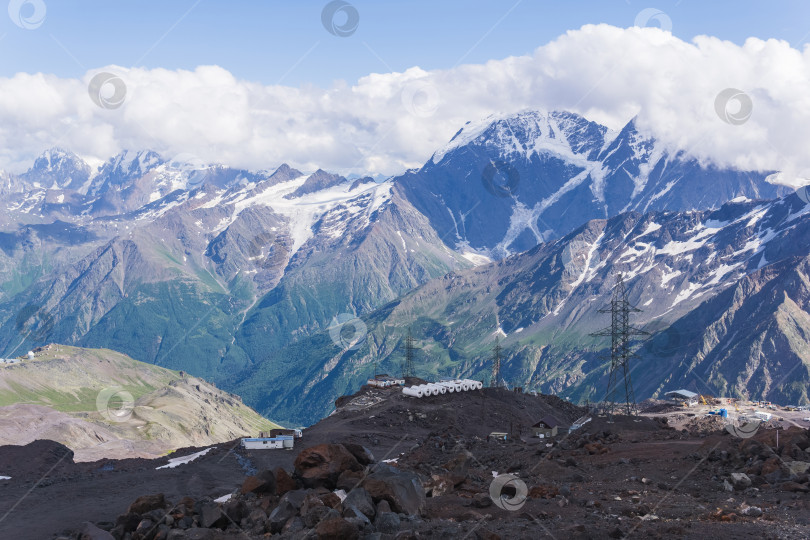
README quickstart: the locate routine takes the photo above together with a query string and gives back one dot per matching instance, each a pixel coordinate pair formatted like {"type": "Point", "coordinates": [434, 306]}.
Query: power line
{"type": "Point", "coordinates": [620, 331]}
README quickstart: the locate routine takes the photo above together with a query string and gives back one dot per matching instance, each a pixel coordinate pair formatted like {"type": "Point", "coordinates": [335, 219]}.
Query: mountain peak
{"type": "Point", "coordinates": [527, 132]}
{"type": "Point", "coordinates": [317, 181]}
{"type": "Point", "coordinates": [57, 168]}
{"type": "Point", "coordinates": [285, 173]}
{"type": "Point", "coordinates": [124, 167]}
{"type": "Point", "coordinates": [508, 182]}
{"type": "Point", "coordinates": [134, 161]}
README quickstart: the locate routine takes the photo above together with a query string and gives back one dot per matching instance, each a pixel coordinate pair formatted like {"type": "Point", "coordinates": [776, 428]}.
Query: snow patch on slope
{"type": "Point", "coordinates": [302, 212]}
{"type": "Point", "coordinates": [176, 462]}
{"type": "Point", "coordinates": [585, 275]}
{"type": "Point", "coordinates": [476, 258]}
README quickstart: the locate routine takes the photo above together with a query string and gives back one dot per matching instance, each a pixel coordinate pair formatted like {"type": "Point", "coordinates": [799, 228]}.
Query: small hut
{"type": "Point", "coordinates": [547, 427]}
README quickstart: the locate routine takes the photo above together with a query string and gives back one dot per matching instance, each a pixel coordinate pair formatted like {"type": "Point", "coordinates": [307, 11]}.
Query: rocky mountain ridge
{"type": "Point", "coordinates": [690, 273]}
{"type": "Point", "coordinates": [102, 404]}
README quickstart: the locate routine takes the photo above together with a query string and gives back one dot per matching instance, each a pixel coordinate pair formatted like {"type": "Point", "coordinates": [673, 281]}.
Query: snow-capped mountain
{"type": "Point", "coordinates": [217, 270]}
{"type": "Point", "coordinates": [124, 169]}
{"type": "Point", "coordinates": [505, 184]}
{"type": "Point", "coordinates": [151, 248]}
{"type": "Point", "coordinates": [58, 169]}
{"type": "Point", "coordinates": [724, 295]}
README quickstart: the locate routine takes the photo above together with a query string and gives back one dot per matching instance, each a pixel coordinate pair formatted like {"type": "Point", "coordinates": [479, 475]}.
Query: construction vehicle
{"type": "Point", "coordinates": [703, 400]}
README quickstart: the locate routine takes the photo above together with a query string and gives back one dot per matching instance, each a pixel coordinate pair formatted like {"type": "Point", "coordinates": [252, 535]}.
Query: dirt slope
{"type": "Point", "coordinates": [102, 404]}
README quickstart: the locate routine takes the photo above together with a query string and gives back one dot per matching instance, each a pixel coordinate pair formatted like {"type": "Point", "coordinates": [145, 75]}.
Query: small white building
{"type": "Point", "coordinates": [266, 443]}
{"type": "Point", "coordinates": [384, 381]}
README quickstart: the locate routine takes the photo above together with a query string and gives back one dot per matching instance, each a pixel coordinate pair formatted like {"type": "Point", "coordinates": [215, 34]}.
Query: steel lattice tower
{"type": "Point", "coordinates": [620, 333]}
{"type": "Point", "coordinates": [407, 365]}
{"type": "Point", "coordinates": [496, 364]}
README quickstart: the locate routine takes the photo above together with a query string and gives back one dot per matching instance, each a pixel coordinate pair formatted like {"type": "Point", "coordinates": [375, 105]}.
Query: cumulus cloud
{"type": "Point", "coordinates": [384, 123]}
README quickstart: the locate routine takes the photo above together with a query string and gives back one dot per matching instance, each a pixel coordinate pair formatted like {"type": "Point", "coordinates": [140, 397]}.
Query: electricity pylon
{"type": "Point", "coordinates": [496, 364]}
{"type": "Point", "coordinates": [407, 365]}
{"type": "Point", "coordinates": [620, 332]}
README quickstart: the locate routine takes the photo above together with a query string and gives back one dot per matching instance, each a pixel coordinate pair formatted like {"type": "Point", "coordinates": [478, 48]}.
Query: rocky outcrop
{"type": "Point", "coordinates": [322, 465]}
{"type": "Point", "coordinates": [256, 510]}
{"type": "Point", "coordinates": [402, 490]}
{"type": "Point", "coordinates": [317, 181]}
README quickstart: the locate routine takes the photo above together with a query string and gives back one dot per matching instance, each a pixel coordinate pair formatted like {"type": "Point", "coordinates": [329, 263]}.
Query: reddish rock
{"type": "Point", "coordinates": [322, 465]}
{"type": "Point", "coordinates": [543, 492]}
{"type": "Point", "coordinates": [336, 529]}
{"type": "Point", "coordinates": [250, 484]}
{"type": "Point", "coordinates": [771, 465]}
{"type": "Point", "coordinates": [595, 448]}
{"type": "Point", "coordinates": [147, 503]}
{"type": "Point", "coordinates": [264, 482]}
{"type": "Point", "coordinates": [284, 481]}
{"type": "Point", "coordinates": [331, 500]}
{"type": "Point", "coordinates": [793, 487]}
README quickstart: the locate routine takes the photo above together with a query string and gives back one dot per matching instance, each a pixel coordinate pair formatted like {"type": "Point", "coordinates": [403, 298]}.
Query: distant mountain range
{"type": "Point", "coordinates": [724, 295]}
{"type": "Point", "coordinates": [518, 223]}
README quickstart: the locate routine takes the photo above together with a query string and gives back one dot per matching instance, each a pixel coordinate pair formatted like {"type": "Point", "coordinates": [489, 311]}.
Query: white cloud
{"type": "Point", "coordinates": [385, 123]}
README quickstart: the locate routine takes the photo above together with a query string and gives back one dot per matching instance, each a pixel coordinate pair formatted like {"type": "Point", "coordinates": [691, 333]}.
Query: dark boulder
{"type": "Point", "coordinates": [322, 465]}
{"type": "Point", "coordinates": [362, 454]}
{"type": "Point", "coordinates": [387, 523]}
{"type": "Point", "coordinates": [212, 516]}
{"type": "Point", "coordinates": [280, 515]}
{"type": "Point", "coordinates": [360, 499]}
{"type": "Point", "coordinates": [402, 489]}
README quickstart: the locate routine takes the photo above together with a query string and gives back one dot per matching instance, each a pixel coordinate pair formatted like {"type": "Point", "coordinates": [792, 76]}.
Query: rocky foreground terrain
{"type": "Point", "coordinates": [387, 466]}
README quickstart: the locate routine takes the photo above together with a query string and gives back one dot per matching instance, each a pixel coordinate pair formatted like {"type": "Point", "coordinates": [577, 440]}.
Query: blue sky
{"type": "Point", "coordinates": [258, 83]}
{"type": "Point", "coordinates": [271, 41]}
